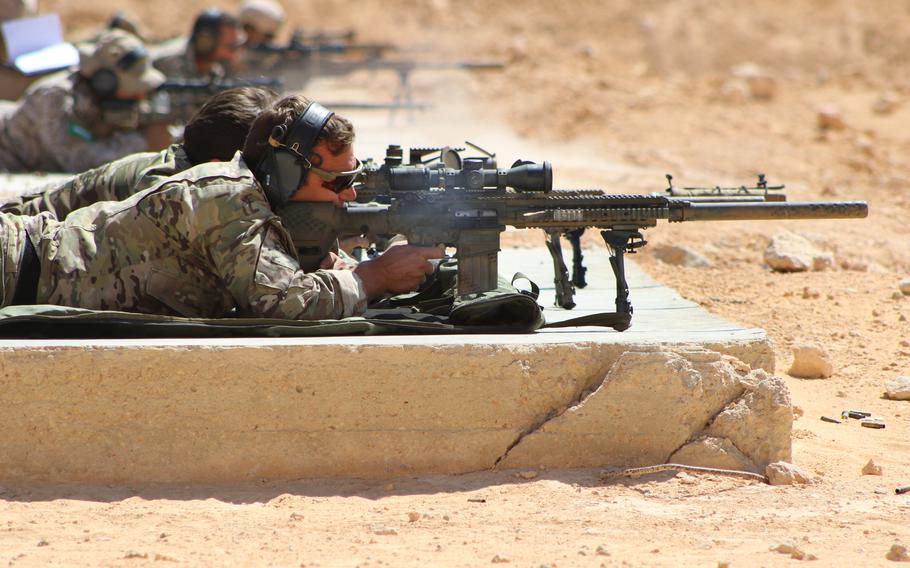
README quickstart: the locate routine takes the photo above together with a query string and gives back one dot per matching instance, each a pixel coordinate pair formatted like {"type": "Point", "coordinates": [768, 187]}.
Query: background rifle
{"type": "Point", "coordinates": [300, 36]}
{"type": "Point", "coordinates": [300, 51]}
{"type": "Point", "coordinates": [180, 99]}
{"type": "Point", "coordinates": [317, 62]}
{"type": "Point", "coordinates": [470, 207]}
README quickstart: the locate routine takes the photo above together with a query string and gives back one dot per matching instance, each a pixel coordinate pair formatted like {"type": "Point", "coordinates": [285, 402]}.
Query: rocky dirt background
{"type": "Point", "coordinates": [814, 93]}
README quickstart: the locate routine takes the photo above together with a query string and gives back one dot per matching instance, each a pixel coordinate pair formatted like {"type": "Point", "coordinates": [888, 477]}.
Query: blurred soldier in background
{"type": "Point", "coordinates": [214, 134]}
{"type": "Point", "coordinates": [212, 50]}
{"type": "Point", "coordinates": [261, 20]}
{"type": "Point", "coordinates": [71, 122]}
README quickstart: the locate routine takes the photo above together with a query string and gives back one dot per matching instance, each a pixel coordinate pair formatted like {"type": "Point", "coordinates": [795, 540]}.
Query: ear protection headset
{"type": "Point", "coordinates": [285, 163]}
{"type": "Point", "coordinates": [104, 82]}
{"type": "Point", "coordinates": [206, 30]}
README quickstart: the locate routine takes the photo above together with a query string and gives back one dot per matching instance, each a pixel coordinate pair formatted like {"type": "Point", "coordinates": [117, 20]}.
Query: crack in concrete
{"type": "Point", "coordinates": [586, 390]}
{"type": "Point", "coordinates": [709, 423]}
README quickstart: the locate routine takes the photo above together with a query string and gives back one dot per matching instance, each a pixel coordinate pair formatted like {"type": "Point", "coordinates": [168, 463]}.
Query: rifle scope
{"type": "Point", "coordinates": [522, 176]}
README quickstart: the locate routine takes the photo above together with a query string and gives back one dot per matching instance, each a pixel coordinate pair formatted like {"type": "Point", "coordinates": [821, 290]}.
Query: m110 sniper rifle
{"type": "Point", "coordinates": [468, 208]}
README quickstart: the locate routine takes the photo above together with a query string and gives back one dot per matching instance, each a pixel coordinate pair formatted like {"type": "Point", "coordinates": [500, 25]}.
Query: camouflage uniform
{"type": "Point", "coordinates": [175, 59]}
{"type": "Point", "coordinates": [111, 182]}
{"type": "Point", "coordinates": [12, 241]}
{"type": "Point", "coordinates": [58, 127]}
{"type": "Point", "coordinates": [203, 243]}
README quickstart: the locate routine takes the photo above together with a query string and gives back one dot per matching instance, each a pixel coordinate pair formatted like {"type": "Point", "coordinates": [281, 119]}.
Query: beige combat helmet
{"type": "Point", "coordinates": [265, 16]}
{"type": "Point", "coordinates": [118, 63]}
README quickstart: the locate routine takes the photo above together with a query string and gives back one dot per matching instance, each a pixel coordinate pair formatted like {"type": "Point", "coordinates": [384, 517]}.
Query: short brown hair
{"type": "Point", "coordinates": [338, 133]}
{"type": "Point", "coordinates": [220, 127]}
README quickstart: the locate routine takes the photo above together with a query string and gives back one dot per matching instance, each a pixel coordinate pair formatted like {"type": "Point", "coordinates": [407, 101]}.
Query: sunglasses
{"type": "Point", "coordinates": [338, 181]}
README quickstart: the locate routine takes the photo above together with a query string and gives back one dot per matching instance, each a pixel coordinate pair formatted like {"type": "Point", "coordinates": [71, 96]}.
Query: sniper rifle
{"type": "Point", "coordinates": [468, 208]}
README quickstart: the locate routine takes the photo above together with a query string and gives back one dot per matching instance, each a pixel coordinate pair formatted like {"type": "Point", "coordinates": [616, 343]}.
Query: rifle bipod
{"type": "Point", "coordinates": [565, 291]}
{"type": "Point", "coordinates": [619, 242]}
{"type": "Point", "coordinates": [578, 266]}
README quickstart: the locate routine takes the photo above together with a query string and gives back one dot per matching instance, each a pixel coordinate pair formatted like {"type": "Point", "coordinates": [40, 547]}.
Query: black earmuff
{"type": "Point", "coordinates": [104, 83]}
{"type": "Point", "coordinates": [284, 165]}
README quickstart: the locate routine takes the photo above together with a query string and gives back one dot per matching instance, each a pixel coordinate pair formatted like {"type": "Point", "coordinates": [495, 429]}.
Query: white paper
{"type": "Point", "coordinates": [50, 58]}
{"type": "Point", "coordinates": [24, 35]}
{"type": "Point", "coordinates": [35, 45]}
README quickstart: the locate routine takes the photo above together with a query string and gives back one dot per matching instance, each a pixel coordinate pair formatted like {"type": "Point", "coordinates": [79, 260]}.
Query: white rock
{"type": "Point", "coordinates": [785, 473]}
{"type": "Point", "coordinates": [679, 255]}
{"type": "Point", "coordinates": [898, 389]}
{"type": "Point", "coordinates": [383, 530]}
{"type": "Point", "coordinates": [789, 252]}
{"type": "Point", "coordinates": [904, 286]}
{"type": "Point", "coordinates": [872, 468]}
{"type": "Point", "coordinates": [828, 117]}
{"type": "Point", "coordinates": [810, 361]}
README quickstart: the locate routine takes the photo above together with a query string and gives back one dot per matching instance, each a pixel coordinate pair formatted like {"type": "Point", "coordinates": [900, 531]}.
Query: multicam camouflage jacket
{"type": "Point", "coordinates": [202, 243]}
{"type": "Point", "coordinates": [58, 127]}
{"type": "Point", "coordinates": [111, 182]}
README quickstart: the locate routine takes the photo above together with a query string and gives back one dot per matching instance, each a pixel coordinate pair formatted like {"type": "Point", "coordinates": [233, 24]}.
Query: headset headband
{"type": "Point", "coordinates": [284, 165]}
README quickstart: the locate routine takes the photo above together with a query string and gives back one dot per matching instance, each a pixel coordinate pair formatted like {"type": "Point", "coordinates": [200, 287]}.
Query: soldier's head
{"type": "Point", "coordinates": [261, 20]}
{"type": "Point", "coordinates": [216, 39]}
{"type": "Point", "coordinates": [301, 151]}
{"type": "Point", "coordinates": [218, 130]}
{"type": "Point", "coordinates": [118, 66]}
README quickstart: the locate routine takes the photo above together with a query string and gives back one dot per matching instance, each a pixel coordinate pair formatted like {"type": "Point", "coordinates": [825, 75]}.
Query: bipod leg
{"type": "Point", "coordinates": [578, 266]}
{"type": "Point", "coordinates": [619, 243]}
{"type": "Point", "coordinates": [565, 293]}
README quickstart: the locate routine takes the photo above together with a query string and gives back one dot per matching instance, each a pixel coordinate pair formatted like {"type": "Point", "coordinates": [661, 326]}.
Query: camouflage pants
{"type": "Point", "coordinates": [12, 245]}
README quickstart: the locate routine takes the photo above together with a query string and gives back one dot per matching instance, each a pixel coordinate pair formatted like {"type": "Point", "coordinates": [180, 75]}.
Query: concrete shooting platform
{"type": "Point", "coordinates": [213, 410]}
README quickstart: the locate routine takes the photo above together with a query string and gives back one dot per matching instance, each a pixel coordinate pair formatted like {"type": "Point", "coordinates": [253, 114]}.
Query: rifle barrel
{"type": "Point", "coordinates": [772, 210]}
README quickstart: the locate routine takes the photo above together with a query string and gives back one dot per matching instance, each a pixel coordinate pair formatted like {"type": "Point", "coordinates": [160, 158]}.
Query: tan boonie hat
{"type": "Point", "coordinates": [266, 16]}
{"type": "Point", "coordinates": [125, 55]}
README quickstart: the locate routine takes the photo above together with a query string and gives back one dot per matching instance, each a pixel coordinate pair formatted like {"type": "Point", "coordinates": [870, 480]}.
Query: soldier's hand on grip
{"type": "Point", "coordinates": [400, 269]}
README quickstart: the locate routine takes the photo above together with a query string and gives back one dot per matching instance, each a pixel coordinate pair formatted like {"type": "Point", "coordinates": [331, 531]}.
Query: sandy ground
{"type": "Point", "coordinates": [615, 94]}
